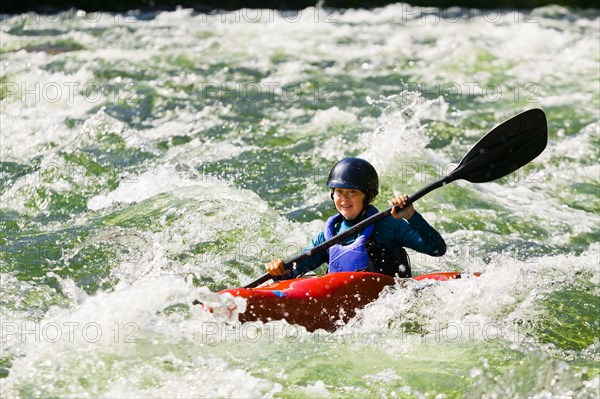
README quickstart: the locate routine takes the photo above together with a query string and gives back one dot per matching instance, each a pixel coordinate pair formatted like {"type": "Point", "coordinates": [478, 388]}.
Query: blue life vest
{"type": "Point", "coordinates": [351, 257]}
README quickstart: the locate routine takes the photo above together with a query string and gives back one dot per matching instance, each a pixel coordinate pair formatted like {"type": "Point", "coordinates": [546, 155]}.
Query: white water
{"type": "Point", "coordinates": [136, 337]}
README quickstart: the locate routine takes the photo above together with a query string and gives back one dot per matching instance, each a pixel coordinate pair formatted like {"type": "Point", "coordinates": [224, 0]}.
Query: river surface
{"type": "Point", "coordinates": [152, 159]}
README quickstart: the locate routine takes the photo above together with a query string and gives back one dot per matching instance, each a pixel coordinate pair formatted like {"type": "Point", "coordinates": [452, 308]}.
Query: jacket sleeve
{"type": "Point", "coordinates": [311, 263]}
{"type": "Point", "coordinates": [418, 235]}
{"type": "Point", "coordinates": [421, 237]}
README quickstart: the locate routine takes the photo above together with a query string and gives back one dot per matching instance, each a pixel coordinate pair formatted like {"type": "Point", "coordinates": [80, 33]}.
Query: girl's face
{"type": "Point", "coordinates": [348, 202]}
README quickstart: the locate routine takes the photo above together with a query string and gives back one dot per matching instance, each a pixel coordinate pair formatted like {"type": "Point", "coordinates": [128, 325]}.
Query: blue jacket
{"type": "Point", "coordinates": [391, 233]}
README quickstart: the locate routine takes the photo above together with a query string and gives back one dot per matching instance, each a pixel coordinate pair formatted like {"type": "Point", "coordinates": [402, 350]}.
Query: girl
{"type": "Point", "coordinates": [379, 247]}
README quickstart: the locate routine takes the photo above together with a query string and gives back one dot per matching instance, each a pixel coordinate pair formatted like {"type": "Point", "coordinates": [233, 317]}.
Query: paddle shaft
{"type": "Point", "coordinates": [362, 225]}
{"type": "Point", "coordinates": [352, 230]}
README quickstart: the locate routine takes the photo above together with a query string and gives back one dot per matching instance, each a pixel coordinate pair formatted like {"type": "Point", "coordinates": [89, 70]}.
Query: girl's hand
{"type": "Point", "coordinates": [406, 211]}
{"type": "Point", "coordinates": [275, 268]}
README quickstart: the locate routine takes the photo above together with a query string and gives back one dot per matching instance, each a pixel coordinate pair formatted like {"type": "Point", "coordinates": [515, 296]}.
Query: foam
{"type": "Point", "coordinates": [102, 336]}
{"type": "Point", "coordinates": [138, 188]}
{"type": "Point", "coordinates": [175, 353]}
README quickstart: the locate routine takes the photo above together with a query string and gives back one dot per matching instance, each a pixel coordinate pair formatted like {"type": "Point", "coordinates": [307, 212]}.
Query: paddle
{"type": "Point", "coordinates": [503, 150]}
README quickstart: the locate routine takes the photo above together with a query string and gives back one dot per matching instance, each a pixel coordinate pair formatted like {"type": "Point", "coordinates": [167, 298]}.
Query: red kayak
{"type": "Point", "coordinates": [324, 302]}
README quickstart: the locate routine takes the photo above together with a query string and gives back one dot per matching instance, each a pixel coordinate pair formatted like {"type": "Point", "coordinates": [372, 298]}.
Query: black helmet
{"type": "Point", "coordinates": [354, 173]}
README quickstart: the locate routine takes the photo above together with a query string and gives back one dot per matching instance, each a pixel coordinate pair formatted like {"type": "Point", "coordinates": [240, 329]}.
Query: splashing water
{"type": "Point", "coordinates": [150, 160]}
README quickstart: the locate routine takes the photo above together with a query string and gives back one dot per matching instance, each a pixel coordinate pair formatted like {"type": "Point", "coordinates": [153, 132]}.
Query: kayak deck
{"type": "Point", "coordinates": [324, 302]}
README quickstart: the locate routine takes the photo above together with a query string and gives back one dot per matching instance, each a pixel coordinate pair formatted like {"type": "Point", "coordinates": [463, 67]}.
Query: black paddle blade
{"type": "Point", "coordinates": [505, 148]}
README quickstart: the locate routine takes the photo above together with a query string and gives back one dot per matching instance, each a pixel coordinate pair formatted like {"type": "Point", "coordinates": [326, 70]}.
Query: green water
{"type": "Point", "coordinates": [148, 160]}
